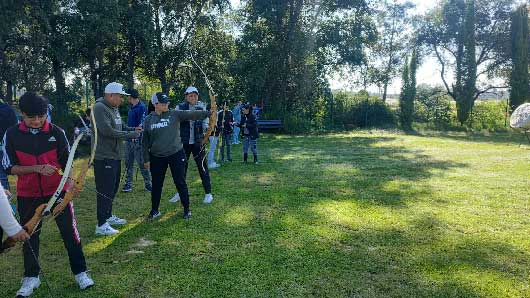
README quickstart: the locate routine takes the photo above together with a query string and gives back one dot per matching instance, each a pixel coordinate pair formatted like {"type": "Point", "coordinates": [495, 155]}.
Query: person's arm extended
{"type": "Point", "coordinates": [146, 142]}
{"type": "Point", "coordinates": [190, 115]}
{"type": "Point", "coordinates": [104, 126]}
{"type": "Point", "coordinates": [8, 221]}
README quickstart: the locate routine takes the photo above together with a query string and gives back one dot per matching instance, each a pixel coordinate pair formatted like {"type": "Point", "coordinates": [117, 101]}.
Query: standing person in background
{"type": "Point", "coordinates": [256, 111]}
{"type": "Point", "coordinates": [214, 139]}
{"type": "Point", "coordinates": [162, 147]}
{"type": "Point", "coordinates": [49, 113]}
{"type": "Point", "coordinates": [250, 133]}
{"type": "Point", "coordinates": [191, 133]}
{"type": "Point", "coordinates": [133, 147]}
{"type": "Point", "coordinates": [107, 159]}
{"type": "Point", "coordinates": [225, 120]}
{"type": "Point", "coordinates": [236, 112]}
{"type": "Point", "coordinates": [81, 123]}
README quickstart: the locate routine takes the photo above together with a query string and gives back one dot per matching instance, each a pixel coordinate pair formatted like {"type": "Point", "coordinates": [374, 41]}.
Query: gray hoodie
{"type": "Point", "coordinates": [110, 132]}
{"type": "Point", "coordinates": [161, 136]}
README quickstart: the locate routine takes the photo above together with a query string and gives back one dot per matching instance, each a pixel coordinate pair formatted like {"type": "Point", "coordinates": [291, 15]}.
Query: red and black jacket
{"type": "Point", "coordinates": [25, 148]}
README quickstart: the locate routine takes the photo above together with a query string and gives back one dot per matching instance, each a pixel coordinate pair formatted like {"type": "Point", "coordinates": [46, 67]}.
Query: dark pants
{"type": "Point", "coordinates": [107, 177]}
{"type": "Point", "coordinates": [177, 165]}
{"type": "Point", "coordinates": [225, 142]}
{"type": "Point", "coordinates": [200, 160]}
{"type": "Point", "coordinates": [67, 227]}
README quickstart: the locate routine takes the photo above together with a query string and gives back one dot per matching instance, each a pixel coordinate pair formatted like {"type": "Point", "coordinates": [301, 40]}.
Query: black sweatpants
{"type": "Point", "coordinates": [107, 176]}
{"type": "Point", "coordinates": [67, 225]}
{"type": "Point", "coordinates": [177, 165]}
{"type": "Point", "coordinates": [200, 160]}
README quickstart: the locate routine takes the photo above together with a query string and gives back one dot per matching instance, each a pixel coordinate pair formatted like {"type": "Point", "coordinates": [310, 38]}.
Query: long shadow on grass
{"type": "Point", "coordinates": [268, 236]}
{"type": "Point", "coordinates": [314, 219]}
{"type": "Point", "coordinates": [376, 170]}
{"type": "Point", "coordinates": [507, 138]}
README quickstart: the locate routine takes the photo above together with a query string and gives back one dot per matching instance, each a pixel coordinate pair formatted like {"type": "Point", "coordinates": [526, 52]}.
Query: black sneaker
{"type": "Point", "coordinates": [187, 215]}
{"type": "Point", "coordinates": [153, 215]}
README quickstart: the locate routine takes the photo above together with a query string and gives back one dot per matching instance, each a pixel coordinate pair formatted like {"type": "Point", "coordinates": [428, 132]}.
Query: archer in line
{"type": "Point", "coordinates": [193, 138]}
{"type": "Point", "coordinates": [36, 151]}
{"type": "Point", "coordinates": [163, 147]}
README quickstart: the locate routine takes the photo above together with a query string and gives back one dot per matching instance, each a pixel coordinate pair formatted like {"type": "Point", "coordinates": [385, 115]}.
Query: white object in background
{"type": "Point", "coordinates": [521, 117]}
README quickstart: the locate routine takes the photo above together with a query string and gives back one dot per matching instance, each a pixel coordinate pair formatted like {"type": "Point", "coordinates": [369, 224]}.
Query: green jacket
{"type": "Point", "coordinates": [110, 132]}
{"type": "Point", "coordinates": [161, 136]}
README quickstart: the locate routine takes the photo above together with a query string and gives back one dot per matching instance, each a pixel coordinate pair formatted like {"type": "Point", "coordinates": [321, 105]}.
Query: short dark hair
{"type": "Point", "coordinates": [33, 104]}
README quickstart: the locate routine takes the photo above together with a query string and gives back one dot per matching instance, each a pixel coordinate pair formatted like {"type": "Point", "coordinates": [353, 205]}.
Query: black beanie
{"type": "Point", "coordinates": [32, 104]}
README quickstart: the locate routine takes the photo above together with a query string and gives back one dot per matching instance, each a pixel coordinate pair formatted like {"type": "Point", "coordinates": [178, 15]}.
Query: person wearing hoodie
{"type": "Point", "coordinates": [108, 153]}
{"type": "Point", "coordinates": [163, 147]}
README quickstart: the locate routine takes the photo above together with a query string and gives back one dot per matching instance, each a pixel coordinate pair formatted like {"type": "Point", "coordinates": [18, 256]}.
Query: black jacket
{"type": "Point", "coordinates": [251, 128]}
{"type": "Point", "coordinates": [185, 126]}
{"type": "Point", "coordinates": [227, 128]}
{"type": "Point", "coordinates": [8, 118]}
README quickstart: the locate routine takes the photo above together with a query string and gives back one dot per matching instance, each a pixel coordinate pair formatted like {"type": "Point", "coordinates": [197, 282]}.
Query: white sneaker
{"type": "Point", "coordinates": [84, 281]}
{"type": "Point", "coordinates": [208, 198]}
{"type": "Point", "coordinates": [106, 230]}
{"type": "Point", "coordinates": [213, 165]}
{"type": "Point", "coordinates": [114, 220]}
{"type": "Point", "coordinates": [175, 198]}
{"type": "Point", "coordinates": [28, 285]}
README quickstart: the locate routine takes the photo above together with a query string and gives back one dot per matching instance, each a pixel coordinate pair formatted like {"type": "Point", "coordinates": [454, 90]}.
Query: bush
{"type": "Point", "coordinates": [435, 109]}
{"type": "Point", "coordinates": [362, 110]}
{"type": "Point", "coordinates": [488, 115]}
{"type": "Point", "coordinates": [296, 124]}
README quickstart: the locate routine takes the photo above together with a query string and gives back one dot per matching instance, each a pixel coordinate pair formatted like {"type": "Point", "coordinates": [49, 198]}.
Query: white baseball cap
{"type": "Point", "coordinates": [191, 89]}
{"type": "Point", "coordinates": [115, 88]}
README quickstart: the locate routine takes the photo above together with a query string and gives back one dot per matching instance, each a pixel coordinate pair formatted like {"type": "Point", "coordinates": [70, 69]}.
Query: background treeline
{"type": "Point", "coordinates": [277, 53]}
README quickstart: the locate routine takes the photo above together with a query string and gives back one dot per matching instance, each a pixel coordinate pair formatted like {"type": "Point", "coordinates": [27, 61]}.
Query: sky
{"type": "Point", "coordinates": [428, 72]}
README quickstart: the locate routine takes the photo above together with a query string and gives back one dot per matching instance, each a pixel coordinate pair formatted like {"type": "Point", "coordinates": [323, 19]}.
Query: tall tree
{"type": "Point", "coordinates": [174, 22]}
{"type": "Point", "coordinates": [288, 46]}
{"type": "Point", "coordinates": [520, 40]}
{"type": "Point", "coordinates": [393, 21]}
{"type": "Point", "coordinates": [408, 91]}
{"type": "Point", "coordinates": [469, 36]}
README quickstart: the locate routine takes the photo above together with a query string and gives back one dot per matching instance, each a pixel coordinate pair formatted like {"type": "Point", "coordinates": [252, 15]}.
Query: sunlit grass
{"type": "Point", "coordinates": [363, 214]}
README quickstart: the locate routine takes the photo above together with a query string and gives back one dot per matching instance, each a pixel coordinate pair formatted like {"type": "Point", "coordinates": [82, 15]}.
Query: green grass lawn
{"type": "Point", "coordinates": [364, 214]}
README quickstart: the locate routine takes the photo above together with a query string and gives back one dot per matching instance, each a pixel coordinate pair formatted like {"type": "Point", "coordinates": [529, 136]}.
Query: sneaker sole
{"type": "Point", "coordinates": [87, 287]}
{"type": "Point", "coordinates": [25, 296]}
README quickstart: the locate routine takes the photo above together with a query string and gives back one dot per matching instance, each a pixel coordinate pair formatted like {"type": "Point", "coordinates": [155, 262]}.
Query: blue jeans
{"type": "Point", "coordinates": [133, 152]}
{"type": "Point", "coordinates": [3, 174]}
{"type": "Point", "coordinates": [250, 143]}
{"type": "Point", "coordinates": [235, 137]}
{"type": "Point", "coordinates": [213, 146]}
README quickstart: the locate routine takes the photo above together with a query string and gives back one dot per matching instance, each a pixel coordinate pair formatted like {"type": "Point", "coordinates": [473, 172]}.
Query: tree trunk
{"type": "Point", "coordinates": [130, 63]}
{"type": "Point", "coordinates": [94, 77]}
{"type": "Point", "coordinates": [60, 86]}
{"type": "Point", "coordinates": [9, 92]}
